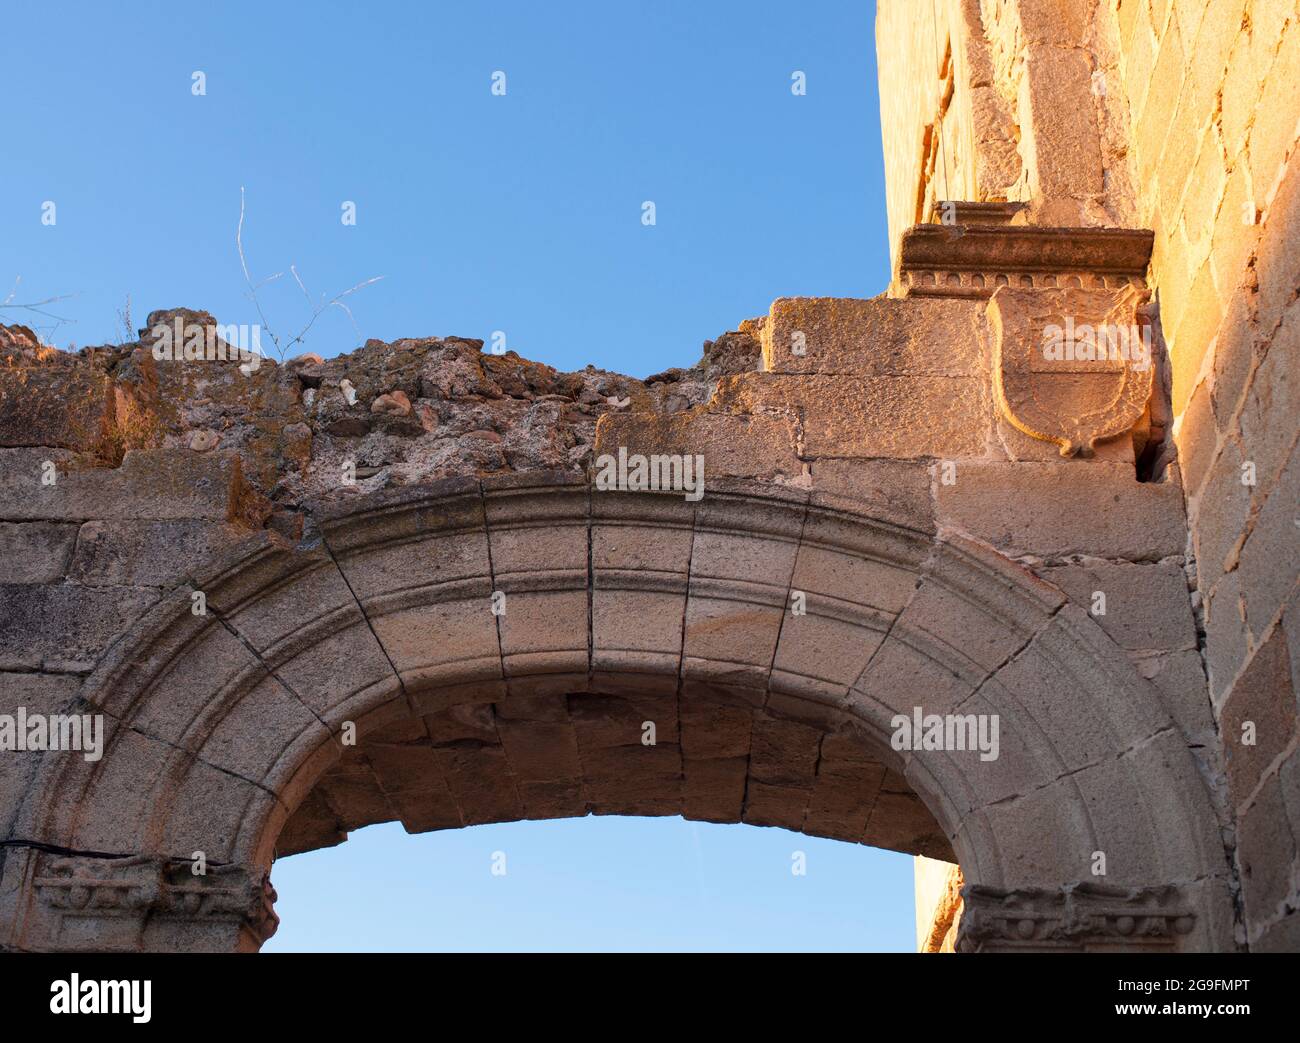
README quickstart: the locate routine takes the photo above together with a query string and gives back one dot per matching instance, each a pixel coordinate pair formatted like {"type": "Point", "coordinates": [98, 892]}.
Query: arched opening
{"type": "Point", "coordinates": [707, 759]}
{"type": "Point", "coordinates": [704, 757]}
{"type": "Point", "coordinates": [499, 648]}
{"type": "Point", "coordinates": [604, 883]}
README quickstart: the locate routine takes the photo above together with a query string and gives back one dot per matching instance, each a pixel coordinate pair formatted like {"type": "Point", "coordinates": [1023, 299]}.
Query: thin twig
{"type": "Point", "coordinates": [38, 308]}
{"type": "Point", "coordinates": [252, 290]}
{"type": "Point", "coordinates": [318, 309]}
{"type": "Point", "coordinates": [333, 300]}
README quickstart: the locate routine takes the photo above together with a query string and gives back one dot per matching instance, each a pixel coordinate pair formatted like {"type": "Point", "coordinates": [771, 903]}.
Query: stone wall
{"type": "Point", "coordinates": [968, 527]}
{"type": "Point", "coordinates": [1179, 117]}
{"type": "Point", "coordinates": [327, 512]}
{"type": "Point", "coordinates": [1211, 91]}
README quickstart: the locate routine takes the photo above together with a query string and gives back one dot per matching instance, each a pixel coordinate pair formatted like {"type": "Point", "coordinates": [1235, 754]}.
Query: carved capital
{"type": "Point", "coordinates": [1077, 916]}
{"type": "Point", "coordinates": [141, 888]}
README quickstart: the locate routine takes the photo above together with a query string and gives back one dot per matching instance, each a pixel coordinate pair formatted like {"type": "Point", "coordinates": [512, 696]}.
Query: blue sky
{"type": "Point", "coordinates": [520, 213]}
{"type": "Point", "coordinates": [596, 883]}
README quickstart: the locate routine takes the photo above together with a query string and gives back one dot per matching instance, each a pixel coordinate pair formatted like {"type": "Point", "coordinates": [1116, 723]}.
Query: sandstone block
{"type": "Point", "coordinates": [1259, 717]}
{"type": "Point", "coordinates": [771, 805]}
{"type": "Point", "coordinates": [740, 446]}
{"type": "Point", "coordinates": [714, 731]}
{"type": "Point", "coordinates": [713, 789]}
{"type": "Point", "coordinates": [1074, 507]}
{"type": "Point", "coordinates": [898, 417]}
{"type": "Point", "coordinates": [783, 753]}
{"type": "Point", "coordinates": [1266, 853]}
{"type": "Point", "coordinates": [480, 780]}
{"type": "Point", "coordinates": [877, 337]}
{"type": "Point", "coordinates": [1225, 634]}
{"type": "Point", "coordinates": [1266, 579]}
{"type": "Point", "coordinates": [1146, 607]}
{"type": "Point", "coordinates": [895, 491]}
{"type": "Point", "coordinates": [158, 485]}
{"type": "Point", "coordinates": [65, 407]}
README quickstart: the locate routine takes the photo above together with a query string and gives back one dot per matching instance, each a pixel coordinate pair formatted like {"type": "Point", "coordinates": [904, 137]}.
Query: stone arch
{"type": "Point", "coordinates": [220, 726]}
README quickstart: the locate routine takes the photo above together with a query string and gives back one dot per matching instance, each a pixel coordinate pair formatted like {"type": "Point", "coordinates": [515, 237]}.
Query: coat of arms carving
{"type": "Point", "coordinates": [1071, 366]}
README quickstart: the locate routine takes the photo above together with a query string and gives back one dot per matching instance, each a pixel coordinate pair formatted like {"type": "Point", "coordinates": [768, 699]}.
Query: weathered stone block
{"type": "Point", "coordinates": [736, 636]}
{"type": "Point", "coordinates": [1273, 402]}
{"type": "Point", "coordinates": [845, 792]}
{"type": "Point", "coordinates": [640, 547]}
{"type": "Point", "coordinates": [769, 805]}
{"type": "Point", "coordinates": [911, 669]}
{"type": "Point", "coordinates": [395, 566]}
{"type": "Point", "coordinates": [352, 790]}
{"type": "Point", "coordinates": [313, 825]}
{"type": "Point", "coordinates": [1073, 507]}
{"type": "Point", "coordinates": [544, 632]}
{"type": "Point", "coordinates": [882, 336]}
{"type": "Point", "coordinates": [538, 751]}
{"type": "Point", "coordinates": [480, 780]}
{"type": "Point", "coordinates": [1259, 717]}
{"type": "Point", "coordinates": [898, 417]}
{"type": "Point", "coordinates": [157, 485]}
{"type": "Point", "coordinates": [147, 553]}
{"type": "Point", "coordinates": [821, 646]}
{"type": "Point", "coordinates": [251, 743]}
{"type": "Point", "coordinates": [784, 753]}
{"type": "Point", "coordinates": [637, 630]}
{"type": "Point", "coordinates": [67, 407]}
{"type": "Point", "coordinates": [1219, 516]}
{"type": "Point", "coordinates": [35, 552]}
{"type": "Point", "coordinates": [1191, 330]}
{"type": "Point", "coordinates": [900, 822]}
{"type": "Point", "coordinates": [63, 627]}
{"type": "Point", "coordinates": [1265, 581]}
{"type": "Point", "coordinates": [39, 694]}
{"type": "Point", "coordinates": [1266, 855]}
{"type": "Point", "coordinates": [447, 642]}
{"type": "Point", "coordinates": [1198, 439]}
{"type": "Point", "coordinates": [602, 721]}
{"type": "Point", "coordinates": [740, 446]}
{"type": "Point", "coordinates": [1143, 607]}
{"type": "Point", "coordinates": [1225, 634]}
{"type": "Point", "coordinates": [714, 731]}
{"type": "Point", "coordinates": [469, 723]}
{"type": "Point", "coordinates": [881, 575]}
{"type": "Point", "coordinates": [1278, 261]}
{"type": "Point", "coordinates": [895, 491]}
{"type": "Point", "coordinates": [713, 789]}
{"type": "Point", "coordinates": [1180, 676]}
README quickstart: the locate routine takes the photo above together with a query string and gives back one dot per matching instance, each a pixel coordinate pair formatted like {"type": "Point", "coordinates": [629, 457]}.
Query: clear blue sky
{"type": "Point", "coordinates": [519, 213]}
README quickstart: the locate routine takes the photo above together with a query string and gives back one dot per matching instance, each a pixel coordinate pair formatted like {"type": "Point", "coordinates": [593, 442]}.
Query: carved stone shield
{"type": "Point", "coordinates": [1071, 366]}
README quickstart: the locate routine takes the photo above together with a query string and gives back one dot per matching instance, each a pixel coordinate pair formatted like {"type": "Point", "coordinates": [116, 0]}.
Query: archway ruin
{"type": "Point", "coordinates": [619, 609]}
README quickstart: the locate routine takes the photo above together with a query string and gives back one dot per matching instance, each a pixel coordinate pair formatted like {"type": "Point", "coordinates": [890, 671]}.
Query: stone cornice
{"type": "Point", "coordinates": [973, 260]}
{"type": "Point", "coordinates": [1077, 916]}
{"type": "Point", "coordinates": [139, 887]}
